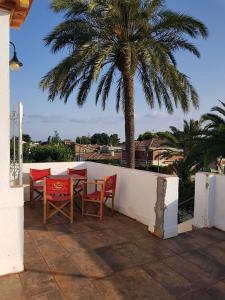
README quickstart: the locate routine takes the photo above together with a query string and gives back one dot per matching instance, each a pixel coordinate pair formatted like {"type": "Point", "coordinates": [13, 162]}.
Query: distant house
{"type": "Point", "coordinates": [150, 152]}
{"type": "Point", "coordinates": [95, 152]}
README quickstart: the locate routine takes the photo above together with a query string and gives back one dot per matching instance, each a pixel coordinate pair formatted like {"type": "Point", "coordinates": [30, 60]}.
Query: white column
{"type": "Point", "coordinates": [11, 199]}
{"type": "Point", "coordinates": [4, 99]}
{"type": "Point", "coordinates": [205, 191]}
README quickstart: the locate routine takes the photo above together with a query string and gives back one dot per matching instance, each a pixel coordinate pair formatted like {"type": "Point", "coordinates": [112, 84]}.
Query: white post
{"type": "Point", "coordinates": [205, 191]}
{"type": "Point", "coordinates": [11, 199]}
{"type": "Point", "coordinates": [4, 99]}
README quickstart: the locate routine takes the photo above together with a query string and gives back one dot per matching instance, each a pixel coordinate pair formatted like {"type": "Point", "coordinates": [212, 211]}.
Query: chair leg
{"type": "Point", "coordinates": [83, 207]}
{"type": "Point", "coordinates": [71, 211]}
{"type": "Point", "coordinates": [112, 205]}
{"type": "Point", "coordinates": [45, 212]}
{"type": "Point", "coordinates": [31, 197]}
{"type": "Point", "coordinates": [101, 210]}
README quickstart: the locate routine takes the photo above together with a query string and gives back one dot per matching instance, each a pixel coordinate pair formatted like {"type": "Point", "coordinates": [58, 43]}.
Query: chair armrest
{"type": "Point", "coordinates": [99, 180]}
{"type": "Point", "coordinates": [91, 183]}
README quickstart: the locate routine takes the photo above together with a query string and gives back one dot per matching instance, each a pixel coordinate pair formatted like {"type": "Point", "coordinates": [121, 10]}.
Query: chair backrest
{"type": "Point", "coordinates": [110, 183]}
{"type": "Point", "coordinates": [39, 174]}
{"type": "Point", "coordinates": [81, 172]}
{"type": "Point", "coordinates": [55, 186]}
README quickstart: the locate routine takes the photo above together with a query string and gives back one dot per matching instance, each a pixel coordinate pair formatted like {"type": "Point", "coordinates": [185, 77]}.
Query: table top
{"type": "Point", "coordinates": [73, 176]}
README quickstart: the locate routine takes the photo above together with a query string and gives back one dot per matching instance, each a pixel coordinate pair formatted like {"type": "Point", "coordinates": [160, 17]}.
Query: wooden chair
{"type": "Point", "coordinates": [58, 195]}
{"type": "Point", "coordinates": [36, 183]}
{"type": "Point", "coordinates": [78, 189]}
{"type": "Point", "coordinates": [107, 188]}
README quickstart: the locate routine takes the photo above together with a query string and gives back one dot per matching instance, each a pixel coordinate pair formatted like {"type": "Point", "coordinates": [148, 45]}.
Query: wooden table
{"type": "Point", "coordinates": [77, 179]}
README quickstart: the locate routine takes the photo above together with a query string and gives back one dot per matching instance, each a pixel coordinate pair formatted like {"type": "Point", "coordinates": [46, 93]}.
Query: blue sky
{"type": "Point", "coordinates": [41, 118]}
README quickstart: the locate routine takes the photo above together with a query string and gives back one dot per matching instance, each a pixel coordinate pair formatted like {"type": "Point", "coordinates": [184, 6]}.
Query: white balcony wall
{"type": "Point", "coordinates": [149, 198]}
{"type": "Point", "coordinates": [209, 201]}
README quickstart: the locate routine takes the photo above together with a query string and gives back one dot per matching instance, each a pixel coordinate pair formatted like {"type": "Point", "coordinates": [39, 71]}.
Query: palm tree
{"type": "Point", "coordinates": [182, 140]}
{"type": "Point", "coordinates": [212, 142]}
{"type": "Point", "coordinates": [215, 120]}
{"type": "Point", "coordinates": [124, 40]}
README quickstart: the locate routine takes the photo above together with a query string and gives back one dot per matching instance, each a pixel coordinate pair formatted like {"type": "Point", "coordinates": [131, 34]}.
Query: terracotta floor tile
{"type": "Point", "coordinates": [50, 248]}
{"type": "Point", "coordinates": [193, 273]}
{"type": "Point", "coordinates": [37, 279]}
{"type": "Point", "coordinates": [131, 284]}
{"type": "Point", "coordinates": [55, 295]}
{"type": "Point", "coordinates": [217, 291]}
{"type": "Point", "coordinates": [99, 238]}
{"type": "Point", "coordinates": [182, 243]}
{"type": "Point", "coordinates": [125, 255]}
{"type": "Point", "coordinates": [206, 236]}
{"type": "Point", "coordinates": [155, 247]}
{"type": "Point", "coordinates": [175, 283]}
{"type": "Point", "coordinates": [196, 295]}
{"type": "Point", "coordinates": [91, 265]}
{"type": "Point", "coordinates": [116, 259]}
{"type": "Point", "coordinates": [210, 265]}
{"type": "Point", "coordinates": [11, 288]}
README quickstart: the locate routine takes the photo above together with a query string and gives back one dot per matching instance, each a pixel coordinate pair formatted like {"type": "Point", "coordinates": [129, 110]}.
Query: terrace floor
{"type": "Point", "coordinates": [115, 259]}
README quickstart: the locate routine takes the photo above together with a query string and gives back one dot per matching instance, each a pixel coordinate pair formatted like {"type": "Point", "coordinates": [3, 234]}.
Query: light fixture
{"type": "Point", "coordinates": [14, 63]}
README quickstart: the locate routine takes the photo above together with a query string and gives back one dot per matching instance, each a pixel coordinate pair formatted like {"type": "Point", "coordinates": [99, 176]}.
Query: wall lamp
{"type": "Point", "coordinates": [14, 63]}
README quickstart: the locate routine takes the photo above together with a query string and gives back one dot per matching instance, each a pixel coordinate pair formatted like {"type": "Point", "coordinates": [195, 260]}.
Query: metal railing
{"type": "Point", "coordinates": [16, 146]}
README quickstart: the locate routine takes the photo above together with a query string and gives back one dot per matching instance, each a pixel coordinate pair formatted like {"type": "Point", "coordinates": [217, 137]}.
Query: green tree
{"type": "Point", "coordinates": [216, 118]}
{"type": "Point", "coordinates": [145, 136]}
{"type": "Point", "coordinates": [56, 139]}
{"type": "Point", "coordinates": [100, 139]}
{"type": "Point", "coordinates": [211, 144]}
{"type": "Point", "coordinates": [27, 138]}
{"type": "Point", "coordinates": [49, 153]}
{"type": "Point", "coordinates": [182, 140]}
{"type": "Point", "coordinates": [85, 140]}
{"type": "Point", "coordinates": [122, 40]}
{"type": "Point", "coordinates": [114, 139]}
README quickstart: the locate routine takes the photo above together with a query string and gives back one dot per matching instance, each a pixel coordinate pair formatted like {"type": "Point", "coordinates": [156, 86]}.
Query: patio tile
{"type": "Point", "coordinates": [125, 255]}
{"type": "Point", "coordinates": [155, 247]}
{"type": "Point", "coordinates": [57, 229]}
{"type": "Point", "coordinates": [182, 243]}
{"type": "Point", "coordinates": [196, 295]}
{"type": "Point", "coordinates": [51, 249]}
{"type": "Point", "coordinates": [55, 295]}
{"type": "Point", "coordinates": [31, 252]}
{"type": "Point", "coordinates": [89, 263]}
{"type": "Point", "coordinates": [11, 288]}
{"type": "Point", "coordinates": [77, 287]}
{"type": "Point", "coordinates": [217, 291]}
{"type": "Point", "coordinates": [207, 236]}
{"type": "Point", "coordinates": [175, 283]}
{"type": "Point", "coordinates": [77, 227]}
{"type": "Point", "coordinates": [207, 263]}
{"type": "Point", "coordinates": [115, 259]}
{"type": "Point", "coordinates": [130, 284]}
{"type": "Point", "coordinates": [37, 279]}
{"type": "Point", "coordinates": [99, 238]}
{"type": "Point", "coordinates": [193, 273]}
{"type": "Point", "coordinates": [215, 252]}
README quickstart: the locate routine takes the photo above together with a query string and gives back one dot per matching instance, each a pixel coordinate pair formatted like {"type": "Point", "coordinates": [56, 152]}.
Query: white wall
{"type": "Point", "coordinates": [136, 193]}
{"type": "Point", "coordinates": [209, 201]}
{"type": "Point", "coordinates": [11, 199]}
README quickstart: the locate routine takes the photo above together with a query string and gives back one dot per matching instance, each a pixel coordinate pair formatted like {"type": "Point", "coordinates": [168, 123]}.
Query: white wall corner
{"type": "Point", "coordinates": [166, 208]}
{"type": "Point", "coordinates": [205, 190]}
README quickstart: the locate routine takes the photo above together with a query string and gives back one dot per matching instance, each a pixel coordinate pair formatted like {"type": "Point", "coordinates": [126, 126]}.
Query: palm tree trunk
{"type": "Point", "coordinates": [128, 85]}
